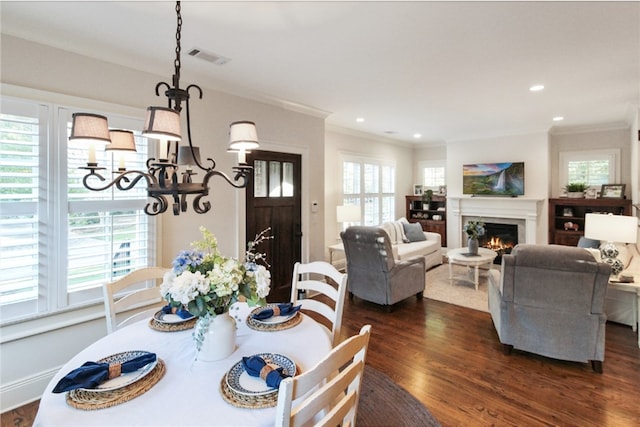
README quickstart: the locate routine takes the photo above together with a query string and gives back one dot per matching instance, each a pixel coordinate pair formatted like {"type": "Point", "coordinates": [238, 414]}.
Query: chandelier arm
{"type": "Point", "coordinates": [241, 173]}
{"type": "Point", "coordinates": [117, 181]}
{"type": "Point", "coordinates": [158, 207]}
{"type": "Point", "coordinates": [195, 158]}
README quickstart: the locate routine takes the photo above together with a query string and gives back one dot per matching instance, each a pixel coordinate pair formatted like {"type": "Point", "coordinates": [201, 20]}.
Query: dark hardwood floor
{"type": "Point", "coordinates": [449, 357]}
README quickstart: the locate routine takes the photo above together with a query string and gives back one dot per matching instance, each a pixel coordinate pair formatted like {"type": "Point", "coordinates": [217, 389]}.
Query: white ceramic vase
{"type": "Point", "coordinates": [219, 338]}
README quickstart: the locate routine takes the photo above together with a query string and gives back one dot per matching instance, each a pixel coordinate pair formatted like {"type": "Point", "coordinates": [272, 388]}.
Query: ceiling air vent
{"type": "Point", "coordinates": [208, 56]}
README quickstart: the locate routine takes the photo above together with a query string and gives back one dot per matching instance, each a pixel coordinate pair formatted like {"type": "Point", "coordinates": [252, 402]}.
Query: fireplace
{"type": "Point", "coordinates": [500, 238]}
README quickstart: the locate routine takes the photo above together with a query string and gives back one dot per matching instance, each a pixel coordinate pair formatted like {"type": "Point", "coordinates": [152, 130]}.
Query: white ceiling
{"type": "Point", "coordinates": [447, 70]}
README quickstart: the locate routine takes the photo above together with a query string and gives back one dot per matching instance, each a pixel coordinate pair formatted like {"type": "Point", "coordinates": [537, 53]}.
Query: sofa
{"type": "Point", "coordinates": [373, 273]}
{"type": "Point", "coordinates": [620, 306]}
{"type": "Point", "coordinates": [408, 241]}
{"type": "Point", "coordinates": [549, 300]}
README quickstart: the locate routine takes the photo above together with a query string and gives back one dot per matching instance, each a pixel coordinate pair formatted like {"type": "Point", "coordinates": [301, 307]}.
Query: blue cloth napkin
{"type": "Point", "coordinates": [285, 310]}
{"type": "Point", "coordinates": [181, 312]}
{"type": "Point", "coordinates": [92, 374]}
{"type": "Point", "coordinates": [254, 366]}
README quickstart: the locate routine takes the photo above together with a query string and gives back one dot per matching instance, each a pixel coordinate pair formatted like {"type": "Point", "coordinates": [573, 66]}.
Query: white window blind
{"type": "Point", "coordinates": [371, 185]}
{"type": "Point", "coordinates": [59, 241]}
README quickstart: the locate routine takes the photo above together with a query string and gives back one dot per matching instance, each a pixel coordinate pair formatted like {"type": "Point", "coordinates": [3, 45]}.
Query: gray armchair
{"type": "Point", "coordinates": [549, 300]}
{"type": "Point", "coordinates": [373, 274]}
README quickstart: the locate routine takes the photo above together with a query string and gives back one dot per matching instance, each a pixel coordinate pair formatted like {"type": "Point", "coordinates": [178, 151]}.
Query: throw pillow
{"type": "Point", "coordinates": [588, 243]}
{"type": "Point", "coordinates": [413, 232]}
{"type": "Point", "coordinates": [395, 231]}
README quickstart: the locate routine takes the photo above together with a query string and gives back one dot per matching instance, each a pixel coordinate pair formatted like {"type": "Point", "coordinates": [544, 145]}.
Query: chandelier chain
{"type": "Point", "coordinates": [178, 36]}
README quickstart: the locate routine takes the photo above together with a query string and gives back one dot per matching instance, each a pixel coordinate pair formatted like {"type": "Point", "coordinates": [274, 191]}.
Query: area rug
{"type": "Point", "coordinates": [459, 291]}
{"type": "Point", "coordinates": [385, 403]}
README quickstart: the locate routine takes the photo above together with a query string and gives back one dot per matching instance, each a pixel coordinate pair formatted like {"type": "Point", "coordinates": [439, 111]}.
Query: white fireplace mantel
{"type": "Point", "coordinates": [527, 209]}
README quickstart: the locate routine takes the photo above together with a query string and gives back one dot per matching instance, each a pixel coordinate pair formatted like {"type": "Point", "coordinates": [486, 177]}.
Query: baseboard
{"type": "Point", "coordinates": [25, 390]}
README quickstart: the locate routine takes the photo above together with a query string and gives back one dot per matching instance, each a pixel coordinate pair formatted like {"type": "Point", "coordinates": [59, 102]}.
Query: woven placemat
{"type": "Point", "coordinates": [273, 327]}
{"type": "Point", "coordinates": [90, 400]}
{"type": "Point", "coordinates": [238, 400]}
{"type": "Point", "coordinates": [172, 327]}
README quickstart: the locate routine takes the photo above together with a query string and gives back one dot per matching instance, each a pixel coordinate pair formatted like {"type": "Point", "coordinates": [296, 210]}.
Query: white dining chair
{"type": "Point", "coordinates": [144, 286]}
{"type": "Point", "coordinates": [328, 393]}
{"type": "Point", "coordinates": [312, 279]}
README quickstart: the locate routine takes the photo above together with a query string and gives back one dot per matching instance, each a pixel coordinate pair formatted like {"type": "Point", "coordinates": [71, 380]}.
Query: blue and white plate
{"type": "Point", "coordinates": [273, 320]}
{"type": "Point", "coordinates": [242, 383]}
{"type": "Point", "coordinates": [128, 378]}
{"type": "Point", "coordinates": [169, 318]}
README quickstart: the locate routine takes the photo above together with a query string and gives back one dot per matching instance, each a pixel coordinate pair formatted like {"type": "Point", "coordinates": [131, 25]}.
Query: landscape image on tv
{"type": "Point", "coordinates": [493, 179]}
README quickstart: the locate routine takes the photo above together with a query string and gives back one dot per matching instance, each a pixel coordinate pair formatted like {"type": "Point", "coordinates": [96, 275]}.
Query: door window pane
{"type": "Point", "coordinates": [260, 178]}
{"type": "Point", "coordinates": [275, 179]}
{"type": "Point", "coordinates": [287, 179]}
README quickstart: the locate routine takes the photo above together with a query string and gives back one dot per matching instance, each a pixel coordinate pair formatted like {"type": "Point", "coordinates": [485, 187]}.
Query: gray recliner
{"type": "Point", "coordinates": [373, 274]}
{"type": "Point", "coordinates": [549, 300]}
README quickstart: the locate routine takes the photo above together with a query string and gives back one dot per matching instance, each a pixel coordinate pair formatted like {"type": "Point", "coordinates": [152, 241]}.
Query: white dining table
{"type": "Point", "coordinates": [188, 394]}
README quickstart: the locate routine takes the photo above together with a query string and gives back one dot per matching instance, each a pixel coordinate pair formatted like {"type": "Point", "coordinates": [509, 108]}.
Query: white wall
{"type": "Point", "coordinates": [33, 350]}
{"type": "Point", "coordinates": [532, 149]}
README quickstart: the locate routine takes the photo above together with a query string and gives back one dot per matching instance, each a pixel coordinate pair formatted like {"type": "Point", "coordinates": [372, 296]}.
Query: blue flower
{"type": "Point", "coordinates": [186, 259]}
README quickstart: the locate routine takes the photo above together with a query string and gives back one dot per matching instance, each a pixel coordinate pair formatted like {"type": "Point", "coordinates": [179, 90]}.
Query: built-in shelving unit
{"type": "Point", "coordinates": [432, 218]}
{"type": "Point", "coordinates": [566, 216]}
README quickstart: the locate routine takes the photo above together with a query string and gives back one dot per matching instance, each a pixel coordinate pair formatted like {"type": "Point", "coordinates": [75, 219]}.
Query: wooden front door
{"type": "Point", "coordinates": [273, 200]}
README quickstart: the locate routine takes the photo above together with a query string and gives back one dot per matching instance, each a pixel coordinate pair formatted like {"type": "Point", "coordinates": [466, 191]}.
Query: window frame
{"type": "Point", "coordinates": [362, 196]}
{"type": "Point", "coordinates": [424, 164]}
{"type": "Point", "coordinates": [611, 155]}
{"type": "Point", "coordinates": [53, 208]}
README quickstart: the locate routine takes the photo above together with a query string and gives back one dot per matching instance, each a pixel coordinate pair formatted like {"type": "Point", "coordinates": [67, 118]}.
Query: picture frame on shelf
{"type": "Point", "coordinates": [442, 190]}
{"type": "Point", "coordinates": [417, 189]}
{"type": "Point", "coordinates": [567, 212]}
{"type": "Point", "coordinates": [612, 191]}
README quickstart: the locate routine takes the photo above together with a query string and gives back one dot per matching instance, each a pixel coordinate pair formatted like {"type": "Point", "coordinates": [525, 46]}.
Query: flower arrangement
{"type": "Point", "coordinates": [474, 229]}
{"type": "Point", "coordinates": [207, 283]}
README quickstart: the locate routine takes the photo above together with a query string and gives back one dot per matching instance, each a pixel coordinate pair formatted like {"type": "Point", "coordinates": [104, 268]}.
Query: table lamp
{"type": "Point", "coordinates": [347, 214]}
{"type": "Point", "coordinates": [611, 228]}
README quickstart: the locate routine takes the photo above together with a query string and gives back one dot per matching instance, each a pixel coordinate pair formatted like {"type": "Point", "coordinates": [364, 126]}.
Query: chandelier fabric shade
{"type": "Point", "coordinates": [89, 128]}
{"type": "Point", "coordinates": [121, 140]}
{"type": "Point", "coordinates": [243, 136]}
{"type": "Point", "coordinates": [188, 157]}
{"type": "Point", "coordinates": [162, 123]}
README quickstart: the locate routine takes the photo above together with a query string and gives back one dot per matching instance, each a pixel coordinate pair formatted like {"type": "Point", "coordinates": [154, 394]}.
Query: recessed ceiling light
{"type": "Point", "coordinates": [417, 135]}
{"type": "Point", "coordinates": [360, 120]}
{"type": "Point", "coordinates": [536, 88]}
{"type": "Point", "coordinates": [558, 119]}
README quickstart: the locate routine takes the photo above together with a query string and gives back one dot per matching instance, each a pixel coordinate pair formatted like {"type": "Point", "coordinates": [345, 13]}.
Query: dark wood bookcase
{"type": "Point", "coordinates": [566, 216]}
{"type": "Point", "coordinates": [438, 207]}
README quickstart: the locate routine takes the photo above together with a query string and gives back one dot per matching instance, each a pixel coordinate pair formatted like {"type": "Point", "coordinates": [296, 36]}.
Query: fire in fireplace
{"type": "Point", "coordinates": [500, 238]}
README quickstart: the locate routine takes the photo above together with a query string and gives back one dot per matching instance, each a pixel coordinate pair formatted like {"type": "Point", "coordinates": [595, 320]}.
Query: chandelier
{"type": "Point", "coordinates": [164, 179]}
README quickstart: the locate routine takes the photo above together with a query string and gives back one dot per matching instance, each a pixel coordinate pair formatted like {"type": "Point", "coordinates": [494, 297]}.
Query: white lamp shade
{"type": "Point", "coordinates": [89, 127]}
{"type": "Point", "coordinates": [162, 123]}
{"type": "Point", "coordinates": [348, 213]}
{"type": "Point", "coordinates": [121, 140]}
{"type": "Point", "coordinates": [611, 228]}
{"type": "Point", "coordinates": [243, 136]}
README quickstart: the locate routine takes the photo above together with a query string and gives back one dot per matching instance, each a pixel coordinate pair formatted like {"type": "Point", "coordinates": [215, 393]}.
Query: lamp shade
{"type": "Point", "coordinates": [243, 136]}
{"type": "Point", "coordinates": [121, 140]}
{"type": "Point", "coordinates": [186, 157]}
{"type": "Point", "coordinates": [162, 123]}
{"type": "Point", "coordinates": [89, 127]}
{"type": "Point", "coordinates": [611, 228]}
{"type": "Point", "coordinates": [348, 213]}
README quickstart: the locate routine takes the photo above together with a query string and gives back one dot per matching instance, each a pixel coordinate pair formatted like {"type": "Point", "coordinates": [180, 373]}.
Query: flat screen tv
{"type": "Point", "coordinates": [493, 179]}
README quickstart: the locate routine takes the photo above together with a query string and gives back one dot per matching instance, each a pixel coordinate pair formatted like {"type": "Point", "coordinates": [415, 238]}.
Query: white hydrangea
{"type": "Point", "coordinates": [185, 287]}
{"type": "Point", "coordinates": [263, 281]}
